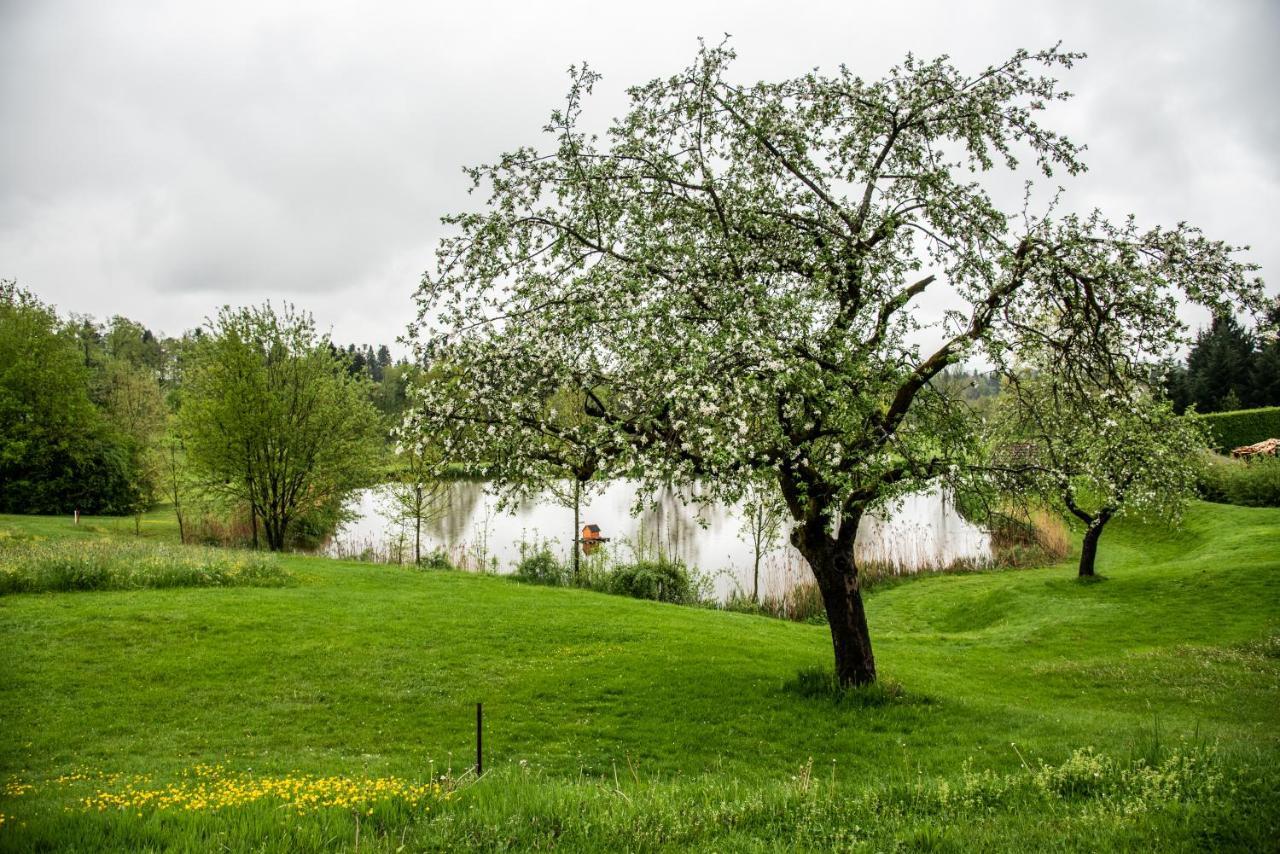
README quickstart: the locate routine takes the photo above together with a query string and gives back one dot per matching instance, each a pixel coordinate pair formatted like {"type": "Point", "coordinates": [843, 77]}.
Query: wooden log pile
{"type": "Point", "coordinates": [1267, 447]}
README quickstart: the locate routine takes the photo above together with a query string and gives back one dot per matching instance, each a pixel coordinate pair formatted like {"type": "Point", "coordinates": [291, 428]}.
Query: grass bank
{"type": "Point", "coordinates": [612, 722]}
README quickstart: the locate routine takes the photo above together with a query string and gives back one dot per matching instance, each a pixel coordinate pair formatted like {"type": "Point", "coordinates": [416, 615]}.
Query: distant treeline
{"type": "Point", "coordinates": [90, 411]}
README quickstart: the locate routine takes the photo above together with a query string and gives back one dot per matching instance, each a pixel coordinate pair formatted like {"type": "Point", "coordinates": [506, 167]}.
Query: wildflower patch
{"type": "Point", "coordinates": [214, 787]}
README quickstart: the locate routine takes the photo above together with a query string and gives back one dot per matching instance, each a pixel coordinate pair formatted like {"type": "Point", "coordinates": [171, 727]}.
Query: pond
{"type": "Point", "coordinates": [921, 532]}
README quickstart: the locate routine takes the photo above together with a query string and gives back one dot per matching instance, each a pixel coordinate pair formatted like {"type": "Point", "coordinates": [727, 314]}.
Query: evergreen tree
{"type": "Point", "coordinates": [1266, 365]}
{"type": "Point", "coordinates": [1220, 367]}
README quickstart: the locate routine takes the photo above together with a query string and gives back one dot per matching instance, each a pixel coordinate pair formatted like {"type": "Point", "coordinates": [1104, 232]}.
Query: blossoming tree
{"type": "Point", "coordinates": [728, 277]}
{"type": "Point", "coordinates": [1098, 452]}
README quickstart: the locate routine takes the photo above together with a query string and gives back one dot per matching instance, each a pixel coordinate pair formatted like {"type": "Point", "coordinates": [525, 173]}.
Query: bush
{"type": "Point", "coordinates": [662, 580]}
{"type": "Point", "coordinates": [1229, 430]}
{"type": "Point", "coordinates": [538, 565]}
{"type": "Point", "coordinates": [316, 525]}
{"type": "Point", "coordinates": [35, 566]}
{"type": "Point", "coordinates": [437, 559]}
{"type": "Point", "coordinates": [1215, 474]}
{"type": "Point", "coordinates": [1255, 483]}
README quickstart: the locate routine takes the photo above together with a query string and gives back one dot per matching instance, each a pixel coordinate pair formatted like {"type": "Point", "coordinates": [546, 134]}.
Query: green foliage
{"type": "Point", "coordinates": [1229, 430]}
{"type": "Point", "coordinates": [272, 418]}
{"type": "Point", "coordinates": [134, 404]}
{"type": "Point", "coordinates": [38, 566]}
{"type": "Point", "coordinates": [1095, 452]}
{"type": "Point", "coordinates": [316, 523]}
{"type": "Point", "coordinates": [57, 450]}
{"type": "Point", "coordinates": [662, 580]}
{"type": "Point", "coordinates": [1249, 483]}
{"type": "Point", "coordinates": [1257, 484]}
{"type": "Point", "coordinates": [435, 560]}
{"type": "Point", "coordinates": [1189, 798]}
{"type": "Point", "coordinates": [539, 565]}
{"type": "Point", "coordinates": [1219, 371]}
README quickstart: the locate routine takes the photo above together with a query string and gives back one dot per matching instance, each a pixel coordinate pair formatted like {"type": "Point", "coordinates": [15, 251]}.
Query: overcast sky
{"type": "Point", "coordinates": [158, 160]}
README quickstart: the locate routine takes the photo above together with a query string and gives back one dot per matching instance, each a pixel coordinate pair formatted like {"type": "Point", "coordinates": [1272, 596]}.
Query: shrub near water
{"type": "Point", "coordinates": [35, 566]}
{"type": "Point", "coordinates": [538, 565]}
{"type": "Point", "coordinates": [661, 580]}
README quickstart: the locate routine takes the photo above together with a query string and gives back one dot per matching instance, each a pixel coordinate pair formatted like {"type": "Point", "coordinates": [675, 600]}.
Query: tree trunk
{"type": "Point", "coordinates": [417, 525]}
{"type": "Point", "coordinates": [757, 535]}
{"type": "Point", "coordinates": [577, 506]}
{"type": "Point", "coordinates": [275, 529]}
{"type": "Point", "coordinates": [833, 567]}
{"type": "Point", "coordinates": [1089, 548]}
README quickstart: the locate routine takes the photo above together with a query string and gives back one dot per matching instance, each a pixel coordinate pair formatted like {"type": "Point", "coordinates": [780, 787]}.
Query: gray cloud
{"type": "Point", "coordinates": [158, 162]}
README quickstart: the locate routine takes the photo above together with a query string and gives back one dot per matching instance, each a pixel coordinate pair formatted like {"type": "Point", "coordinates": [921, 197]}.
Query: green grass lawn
{"type": "Point", "coordinates": [614, 723]}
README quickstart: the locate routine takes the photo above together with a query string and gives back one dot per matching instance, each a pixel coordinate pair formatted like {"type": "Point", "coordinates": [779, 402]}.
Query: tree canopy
{"type": "Point", "coordinates": [58, 451]}
{"type": "Point", "coordinates": [273, 419]}
{"type": "Point", "coordinates": [729, 280]}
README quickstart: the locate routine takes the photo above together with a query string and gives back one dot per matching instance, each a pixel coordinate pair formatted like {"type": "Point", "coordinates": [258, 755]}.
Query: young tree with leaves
{"type": "Point", "coordinates": [416, 493]}
{"type": "Point", "coordinates": [762, 517]}
{"type": "Point", "coordinates": [272, 419]}
{"type": "Point", "coordinates": [1098, 452]}
{"type": "Point", "coordinates": [136, 408]}
{"type": "Point", "coordinates": [728, 279]}
{"type": "Point", "coordinates": [174, 474]}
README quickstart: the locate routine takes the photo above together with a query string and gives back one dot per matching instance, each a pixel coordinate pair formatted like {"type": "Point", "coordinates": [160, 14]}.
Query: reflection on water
{"type": "Point", "coordinates": [921, 532]}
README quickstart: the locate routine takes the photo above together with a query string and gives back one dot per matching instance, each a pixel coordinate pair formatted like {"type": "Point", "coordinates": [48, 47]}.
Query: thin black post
{"type": "Point", "coordinates": [479, 739]}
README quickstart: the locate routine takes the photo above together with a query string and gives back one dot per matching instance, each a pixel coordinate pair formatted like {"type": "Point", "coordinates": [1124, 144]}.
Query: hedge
{"type": "Point", "coordinates": [1229, 430]}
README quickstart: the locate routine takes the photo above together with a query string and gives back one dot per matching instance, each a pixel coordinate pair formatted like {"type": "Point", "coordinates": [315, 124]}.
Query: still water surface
{"type": "Point", "coordinates": [921, 532]}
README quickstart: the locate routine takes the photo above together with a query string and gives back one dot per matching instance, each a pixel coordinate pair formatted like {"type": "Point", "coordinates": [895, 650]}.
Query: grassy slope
{"type": "Point", "coordinates": [366, 668]}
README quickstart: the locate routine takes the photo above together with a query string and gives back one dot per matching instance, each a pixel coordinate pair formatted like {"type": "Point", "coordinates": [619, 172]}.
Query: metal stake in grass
{"type": "Point", "coordinates": [479, 739]}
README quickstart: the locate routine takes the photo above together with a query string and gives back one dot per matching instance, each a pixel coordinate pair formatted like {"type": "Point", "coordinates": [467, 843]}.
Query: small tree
{"type": "Point", "coordinates": [137, 411]}
{"type": "Point", "coordinates": [550, 450]}
{"type": "Point", "coordinates": [174, 475]}
{"type": "Point", "coordinates": [762, 516]}
{"type": "Point", "coordinates": [417, 495]}
{"type": "Point", "coordinates": [726, 281]}
{"type": "Point", "coordinates": [1098, 452]}
{"type": "Point", "coordinates": [568, 466]}
{"type": "Point", "coordinates": [272, 419]}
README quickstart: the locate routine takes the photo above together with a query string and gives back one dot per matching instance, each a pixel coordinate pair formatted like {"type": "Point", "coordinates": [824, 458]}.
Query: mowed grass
{"type": "Point", "coordinates": [614, 723]}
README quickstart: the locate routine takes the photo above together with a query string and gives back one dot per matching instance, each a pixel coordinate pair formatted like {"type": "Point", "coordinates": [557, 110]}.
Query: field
{"type": "Point", "coordinates": [1018, 709]}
